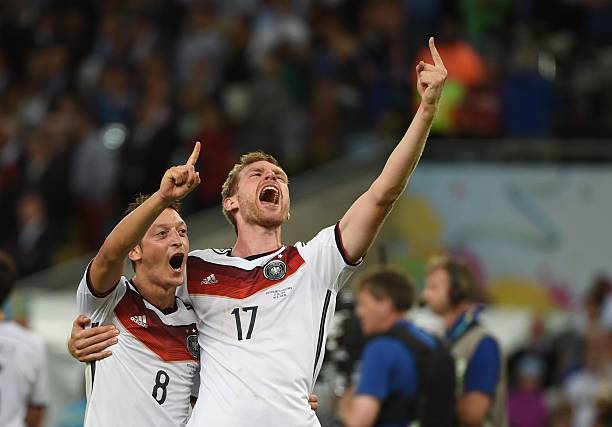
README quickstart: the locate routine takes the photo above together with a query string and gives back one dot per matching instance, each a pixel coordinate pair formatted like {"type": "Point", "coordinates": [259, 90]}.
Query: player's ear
{"type": "Point", "coordinates": [230, 204]}
{"type": "Point", "coordinates": [136, 253]}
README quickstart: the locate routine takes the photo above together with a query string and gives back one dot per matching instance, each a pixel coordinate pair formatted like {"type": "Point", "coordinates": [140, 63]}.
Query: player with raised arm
{"type": "Point", "coordinates": [264, 308]}
{"type": "Point", "coordinates": [151, 378]}
{"type": "Point", "coordinates": [272, 304]}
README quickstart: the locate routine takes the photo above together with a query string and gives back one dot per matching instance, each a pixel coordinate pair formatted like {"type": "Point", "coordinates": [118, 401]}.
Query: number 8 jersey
{"type": "Point", "coordinates": [154, 368]}
{"type": "Point", "coordinates": [263, 324]}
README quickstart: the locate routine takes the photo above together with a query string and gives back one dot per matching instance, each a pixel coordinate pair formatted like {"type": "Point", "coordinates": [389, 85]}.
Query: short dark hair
{"type": "Point", "coordinates": [8, 276]}
{"type": "Point", "coordinates": [388, 283]}
{"type": "Point", "coordinates": [139, 200]}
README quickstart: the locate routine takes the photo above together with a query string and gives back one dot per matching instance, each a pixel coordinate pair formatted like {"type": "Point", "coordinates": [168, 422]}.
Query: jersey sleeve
{"type": "Point", "coordinates": [39, 392]}
{"type": "Point", "coordinates": [95, 307]}
{"type": "Point", "coordinates": [326, 255]}
{"type": "Point", "coordinates": [483, 369]}
{"type": "Point", "coordinates": [376, 369]}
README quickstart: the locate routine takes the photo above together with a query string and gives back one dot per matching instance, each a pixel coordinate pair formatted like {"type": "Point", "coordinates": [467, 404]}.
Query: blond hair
{"type": "Point", "coordinates": [230, 186]}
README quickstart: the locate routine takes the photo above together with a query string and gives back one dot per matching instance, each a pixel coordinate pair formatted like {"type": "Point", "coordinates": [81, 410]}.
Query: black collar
{"type": "Point", "coordinates": [254, 257]}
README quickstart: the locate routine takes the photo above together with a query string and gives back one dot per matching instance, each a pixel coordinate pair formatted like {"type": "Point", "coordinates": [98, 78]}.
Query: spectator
{"type": "Point", "coordinates": [276, 25]}
{"type": "Point", "coordinates": [10, 151]}
{"type": "Point", "coordinates": [34, 243]}
{"type": "Point", "coordinates": [94, 173]}
{"type": "Point", "coordinates": [201, 51]}
{"type": "Point", "coordinates": [219, 152]}
{"type": "Point", "coordinates": [487, 19]}
{"type": "Point", "coordinates": [528, 99]}
{"type": "Point", "coordinates": [527, 405]}
{"type": "Point", "coordinates": [539, 347]}
{"type": "Point", "coordinates": [582, 389]}
{"type": "Point", "coordinates": [115, 99]}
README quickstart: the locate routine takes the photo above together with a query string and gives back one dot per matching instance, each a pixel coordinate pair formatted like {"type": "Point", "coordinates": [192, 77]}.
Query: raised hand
{"type": "Point", "coordinates": [178, 181]}
{"type": "Point", "coordinates": [431, 78]}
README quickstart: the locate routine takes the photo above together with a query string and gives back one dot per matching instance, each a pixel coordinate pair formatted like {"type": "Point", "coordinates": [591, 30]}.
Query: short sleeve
{"type": "Point", "coordinates": [483, 369]}
{"type": "Point", "coordinates": [376, 369]}
{"type": "Point", "coordinates": [98, 308]}
{"type": "Point", "coordinates": [325, 254]}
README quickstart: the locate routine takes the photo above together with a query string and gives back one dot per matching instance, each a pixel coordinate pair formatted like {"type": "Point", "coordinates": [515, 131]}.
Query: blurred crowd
{"type": "Point", "coordinates": [565, 379]}
{"type": "Point", "coordinates": [97, 98]}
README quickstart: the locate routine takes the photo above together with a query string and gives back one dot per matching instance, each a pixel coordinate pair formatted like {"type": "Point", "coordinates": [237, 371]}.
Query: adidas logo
{"type": "Point", "coordinates": [210, 280]}
{"type": "Point", "coordinates": [140, 320]}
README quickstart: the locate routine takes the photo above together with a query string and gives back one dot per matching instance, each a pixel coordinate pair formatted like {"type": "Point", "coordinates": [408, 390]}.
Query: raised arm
{"type": "Point", "coordinates": [107, 266]}
{"type": "Point", "coordinates": [361, 223]}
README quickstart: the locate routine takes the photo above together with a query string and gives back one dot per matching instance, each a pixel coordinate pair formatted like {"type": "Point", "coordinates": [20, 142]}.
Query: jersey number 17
{"type": "Point", "coordinates": [236, 313]}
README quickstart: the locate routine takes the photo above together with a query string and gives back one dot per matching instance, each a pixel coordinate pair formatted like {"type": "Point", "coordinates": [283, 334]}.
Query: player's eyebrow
{"type": "Point", "coordinates": [281, 172]}
{"type": "Point", "coordinates": [170, 225]}
{"type": "Point", "coordinates": [275, 169]}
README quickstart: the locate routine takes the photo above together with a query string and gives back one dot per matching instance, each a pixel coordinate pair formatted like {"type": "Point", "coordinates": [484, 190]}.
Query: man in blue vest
{"type": "Point", "coordinates": [479, 364]}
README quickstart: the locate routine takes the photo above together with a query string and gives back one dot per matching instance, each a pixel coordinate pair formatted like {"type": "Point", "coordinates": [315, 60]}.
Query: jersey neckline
{"type": "Point", "coordinates": [165, 311]}
{"type": "Point", "coordinates": [256, 256]}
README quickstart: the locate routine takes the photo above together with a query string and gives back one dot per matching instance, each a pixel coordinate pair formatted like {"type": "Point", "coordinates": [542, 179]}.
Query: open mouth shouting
{"type": "Point", "coordinates": [269, 195]}
{"type": "Point", "coordinates": [176, 262]}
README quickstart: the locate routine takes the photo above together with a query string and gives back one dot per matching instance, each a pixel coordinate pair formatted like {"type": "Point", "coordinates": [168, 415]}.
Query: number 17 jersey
{"type": "Point", "coordinates": [263, 324]}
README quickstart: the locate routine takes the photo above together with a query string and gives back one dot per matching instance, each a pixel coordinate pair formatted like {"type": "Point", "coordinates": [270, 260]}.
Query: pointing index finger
{"type": "Point", "coordinates": [435, 55]}
{"type": "Point", "coordinates": [194, 155]}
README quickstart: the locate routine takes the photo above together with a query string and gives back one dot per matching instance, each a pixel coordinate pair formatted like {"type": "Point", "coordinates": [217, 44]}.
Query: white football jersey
{"type": "Point", "coordinates": [23, 373]}
{"type": "Point", "coordinates": [154, 369]}
{"type": "Point", "coordinates": [263, 325]}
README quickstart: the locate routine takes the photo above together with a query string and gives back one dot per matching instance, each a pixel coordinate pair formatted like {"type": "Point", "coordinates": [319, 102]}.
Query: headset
{"type": "Point", "coordinates": [460, 288]}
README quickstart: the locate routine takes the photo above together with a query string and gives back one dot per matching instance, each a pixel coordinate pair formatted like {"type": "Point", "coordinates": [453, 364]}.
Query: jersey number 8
{"type": "Point", "coordinates": [161, 383]}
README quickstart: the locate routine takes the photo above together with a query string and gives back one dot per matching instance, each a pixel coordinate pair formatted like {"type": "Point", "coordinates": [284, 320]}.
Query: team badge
{"type": "Point", "coordinates": [275, 270]}
{"type": "Point", "coordinates": [192, 345]}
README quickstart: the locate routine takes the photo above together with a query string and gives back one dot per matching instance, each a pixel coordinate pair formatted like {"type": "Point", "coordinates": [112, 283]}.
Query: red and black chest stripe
{"type": "Point", "coordinates": [207, 278]}
{"type": "Point", "coordinates": [172, 343]}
